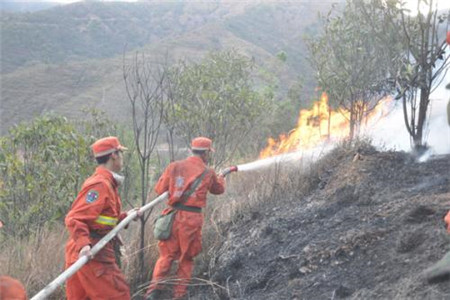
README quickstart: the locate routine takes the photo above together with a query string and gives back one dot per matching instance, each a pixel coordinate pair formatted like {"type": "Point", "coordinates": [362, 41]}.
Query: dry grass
{"type": "Point", "coordinates": [37, 261]}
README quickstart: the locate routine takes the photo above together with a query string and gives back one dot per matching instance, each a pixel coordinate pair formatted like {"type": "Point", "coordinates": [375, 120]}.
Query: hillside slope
{"type": "Point", "coordinates": [86, 30]}
{"type": "Point", "coordinates": [68, 88]}
{"type": "Point", "coordinates": [70, 56]}
{"type": "Point", "coordinates": [365, 230]}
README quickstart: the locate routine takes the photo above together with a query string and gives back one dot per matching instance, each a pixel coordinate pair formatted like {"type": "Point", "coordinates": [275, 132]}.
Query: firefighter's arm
{"type": "Point", "coordinates": [163, 183]}
{"type": "Point", "coordinates": [86, 209]}
{"type": "Point", "coordinates": [217, 186]}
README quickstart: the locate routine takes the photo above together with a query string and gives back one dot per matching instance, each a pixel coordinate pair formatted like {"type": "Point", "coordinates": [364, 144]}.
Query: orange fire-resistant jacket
{"type": "Point", "coordinates": [11, 289]}
{"type": "Point", "coordinates": [180, 174]}
{"type": "Point", "coordinates": [95, 211]}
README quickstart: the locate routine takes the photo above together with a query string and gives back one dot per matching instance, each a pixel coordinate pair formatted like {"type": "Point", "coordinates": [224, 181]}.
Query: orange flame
{"type": "Point", "coordinates": [315, 126]}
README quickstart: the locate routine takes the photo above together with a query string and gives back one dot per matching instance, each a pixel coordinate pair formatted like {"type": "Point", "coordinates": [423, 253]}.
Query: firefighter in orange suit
{"type": "Point", "coordinates": [185, 241]}
{"type": "Point", "coordinates": [11, 289]}
{"type": "Point", "coordinates": [95, 211]}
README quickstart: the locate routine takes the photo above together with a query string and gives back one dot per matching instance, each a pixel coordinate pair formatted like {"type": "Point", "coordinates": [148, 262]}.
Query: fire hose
{"type": "Point", "coordinates": [228, 170]}
{"type": "Point", "coordinates": [132, 214]}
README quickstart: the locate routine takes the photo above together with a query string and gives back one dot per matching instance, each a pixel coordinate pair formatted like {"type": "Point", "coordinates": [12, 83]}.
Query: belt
{"type": "Point", "coordinates": [116, 242]}
{"type": "Point", "coordinates": [96, 235]}
{"type": "Point", "coordinates": [179, 206]}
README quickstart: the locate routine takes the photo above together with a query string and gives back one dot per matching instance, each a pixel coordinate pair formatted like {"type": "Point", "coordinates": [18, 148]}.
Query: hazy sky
{"type": "Point", "coordinates": [412, 4]}
{"type": "Point", "coordinates": [442, 4]}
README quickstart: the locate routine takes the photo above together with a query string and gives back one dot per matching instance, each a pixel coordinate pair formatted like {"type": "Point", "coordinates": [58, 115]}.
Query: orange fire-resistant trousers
{"type": "Point", "coordinates": [11, 289]}
{"type": "Point", "coordinates": [184, 244]}
{"type": "Point", "coordinates": [97, 281]}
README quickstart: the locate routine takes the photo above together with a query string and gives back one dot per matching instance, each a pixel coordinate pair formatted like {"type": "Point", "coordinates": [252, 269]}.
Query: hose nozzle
{"type": "Point", "coordinates": [228, 170]}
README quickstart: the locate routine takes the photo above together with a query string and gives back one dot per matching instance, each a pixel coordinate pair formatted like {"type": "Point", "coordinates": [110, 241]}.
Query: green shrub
{"type": "Point", "coordinates": [42, 165]}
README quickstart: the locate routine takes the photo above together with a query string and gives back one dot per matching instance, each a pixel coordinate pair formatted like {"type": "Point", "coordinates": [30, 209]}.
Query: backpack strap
{"type": "Point", "coordinates": [185, 196]}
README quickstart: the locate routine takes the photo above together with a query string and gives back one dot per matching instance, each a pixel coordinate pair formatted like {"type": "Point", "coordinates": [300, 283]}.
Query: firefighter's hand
{"type": "Point", "coordinates": [86, 250]}
{"type": "Point", "coordinates": [139, 214]}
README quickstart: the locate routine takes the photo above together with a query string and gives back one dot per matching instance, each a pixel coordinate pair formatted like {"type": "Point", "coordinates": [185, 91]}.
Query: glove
{"type": "Point", "coordinates": [139, 213]}
{"type": "Point", "coordinates": [86, 250]}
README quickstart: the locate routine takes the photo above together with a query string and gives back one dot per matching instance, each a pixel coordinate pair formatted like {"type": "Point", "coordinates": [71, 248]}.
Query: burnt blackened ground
{"type": "Point", "coordinates": [366, 230]}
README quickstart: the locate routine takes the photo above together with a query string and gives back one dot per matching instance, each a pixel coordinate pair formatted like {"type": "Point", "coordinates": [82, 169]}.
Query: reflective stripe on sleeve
{"type": "Point", "coordinates": [105, 220]}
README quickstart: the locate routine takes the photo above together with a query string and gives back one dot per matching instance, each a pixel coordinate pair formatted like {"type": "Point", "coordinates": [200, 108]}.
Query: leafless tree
{"type": "Point", "coordinates": [170, 100]}
{"type": "Point", "coordinates": [144, 83]}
